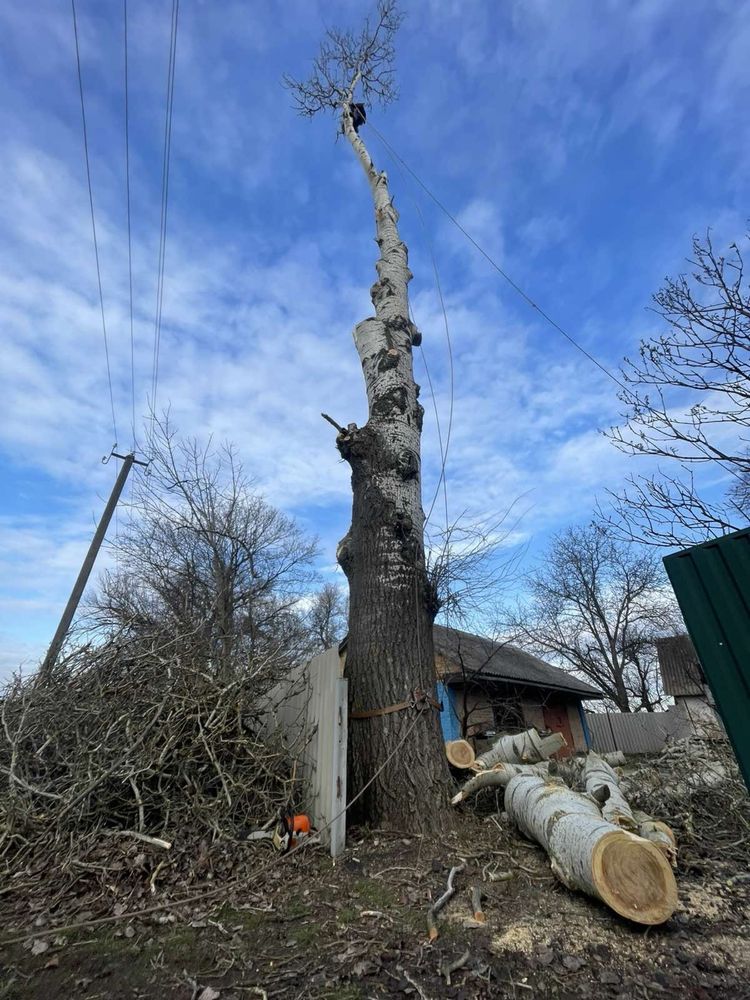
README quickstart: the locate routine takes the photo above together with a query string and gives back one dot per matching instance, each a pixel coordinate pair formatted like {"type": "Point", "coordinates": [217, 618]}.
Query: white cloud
{"type": "Point", "coordinates": [512, 109]}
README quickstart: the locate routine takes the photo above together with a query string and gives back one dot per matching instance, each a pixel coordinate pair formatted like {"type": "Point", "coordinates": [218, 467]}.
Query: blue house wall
{"type": "Point", "coordinates": [449, 719]}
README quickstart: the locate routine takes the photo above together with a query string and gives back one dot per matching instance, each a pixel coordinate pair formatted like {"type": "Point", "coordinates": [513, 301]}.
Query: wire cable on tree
{"type": "Point", "coordinates": [93, 219]}
{"type": "Point", "coordinates": [527, 298]}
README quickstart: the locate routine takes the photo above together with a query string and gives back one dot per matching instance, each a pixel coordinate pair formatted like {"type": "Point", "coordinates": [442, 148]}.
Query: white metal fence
{"type": "Point", "coordinates": [310, 707]}
{"type": "Point", "coordinates": [635, 732]}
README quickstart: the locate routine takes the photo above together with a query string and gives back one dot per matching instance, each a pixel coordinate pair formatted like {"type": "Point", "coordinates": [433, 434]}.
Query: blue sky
{"type": "Point", "coordinates": [582, 142]}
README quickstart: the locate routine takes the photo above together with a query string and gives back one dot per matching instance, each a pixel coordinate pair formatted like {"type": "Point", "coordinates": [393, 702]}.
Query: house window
{"type": "Point", "coordinates": [508, 716]}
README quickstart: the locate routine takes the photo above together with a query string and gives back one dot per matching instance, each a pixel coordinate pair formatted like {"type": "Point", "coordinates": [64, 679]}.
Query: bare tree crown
{"type": "Point", "coordinates": [349, 60]}
{"type": "Point", "coordinates": [687, 399]}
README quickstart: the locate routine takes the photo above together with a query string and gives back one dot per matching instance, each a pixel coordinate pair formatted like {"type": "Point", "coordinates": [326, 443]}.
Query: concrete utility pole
{"type": "Point", "coordinates": [88, 564]}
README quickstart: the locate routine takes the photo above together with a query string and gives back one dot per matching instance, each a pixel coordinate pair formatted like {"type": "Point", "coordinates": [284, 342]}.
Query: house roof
{"type": "Point", "coordinates": [474, 654]}
{"type": "Point", "coordinates": [681, 672]}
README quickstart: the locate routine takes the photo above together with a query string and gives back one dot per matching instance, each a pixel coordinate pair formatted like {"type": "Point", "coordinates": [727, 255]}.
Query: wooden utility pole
{"type": "Point", "coordinates": [88, 564]}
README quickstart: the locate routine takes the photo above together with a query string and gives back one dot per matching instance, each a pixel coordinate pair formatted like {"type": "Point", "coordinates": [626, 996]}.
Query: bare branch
{"type": "Point", "coordinates": [350, 61]}
{"type": "Point", "coordinates": [687, 399]}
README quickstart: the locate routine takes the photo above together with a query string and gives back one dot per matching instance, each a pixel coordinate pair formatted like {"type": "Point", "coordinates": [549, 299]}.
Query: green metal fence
{"type": "Point", "coordinates": [712, 585]}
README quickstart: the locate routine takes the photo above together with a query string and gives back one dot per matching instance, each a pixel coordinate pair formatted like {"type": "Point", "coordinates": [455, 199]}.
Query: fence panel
{"type": "Point", "coordinates": [310, 708]}
{"type": "Point", "coordinates": [635, 732]}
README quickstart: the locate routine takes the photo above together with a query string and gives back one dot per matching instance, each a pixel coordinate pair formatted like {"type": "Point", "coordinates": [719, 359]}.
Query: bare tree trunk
{"type": "Point", "coordinates": [392, 606]}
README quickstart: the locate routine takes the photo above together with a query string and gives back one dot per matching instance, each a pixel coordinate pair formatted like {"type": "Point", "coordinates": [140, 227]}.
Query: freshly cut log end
{"type": "Point", "coordinates": [634, 878]}
{"type": "Point", "coordinates": [460, 753]}
{"type": "Point", "coordinates": [589, 853]}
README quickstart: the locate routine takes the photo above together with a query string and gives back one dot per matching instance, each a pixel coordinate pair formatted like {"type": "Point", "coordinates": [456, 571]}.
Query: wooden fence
{"type": "Point", "coordinates": [310, 708]}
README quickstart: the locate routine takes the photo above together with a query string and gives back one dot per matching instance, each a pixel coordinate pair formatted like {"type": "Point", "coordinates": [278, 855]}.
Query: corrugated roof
{"type": "Point", "coordinates": [681, 672]}
{"type": "Point", "coordinates": [475, 654]}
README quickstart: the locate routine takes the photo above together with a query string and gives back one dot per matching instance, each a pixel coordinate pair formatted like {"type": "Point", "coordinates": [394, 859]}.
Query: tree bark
{"type": "Point", "coordinates": [603, 785]}
{"type": "Point", "coordinates": [392, 605]}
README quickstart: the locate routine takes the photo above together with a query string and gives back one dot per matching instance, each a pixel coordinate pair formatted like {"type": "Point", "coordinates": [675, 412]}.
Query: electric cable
{"type": "Point", "coordinates": [93, 219]}
{"type": "Point", "coordinates": [527, 298]}
{"type": "Point", "coordinates": [164, 210]}
{"type": "Point", "coordinates": [130, 243]}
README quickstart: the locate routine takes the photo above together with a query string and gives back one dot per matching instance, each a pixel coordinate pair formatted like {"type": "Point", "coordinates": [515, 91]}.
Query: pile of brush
{"type": "Point", "coordinates": [131, 766]}
{"type": "Point", "coordinates": [695, 785]}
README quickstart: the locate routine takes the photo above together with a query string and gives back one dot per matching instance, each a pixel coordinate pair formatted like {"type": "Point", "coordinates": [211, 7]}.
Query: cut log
{"type": "Point", "coordinates": [603, 785]}
{"type": "Point", "coordinates": [523, 748]}
{"type": "Point", "coordinates": [658, 833]}
{"type": "Point", "coordinates": [497, 777]}
{"type": "Point", "coordinates": [631, 875]}
{"type": "Point", "coordinates": [460, 753]}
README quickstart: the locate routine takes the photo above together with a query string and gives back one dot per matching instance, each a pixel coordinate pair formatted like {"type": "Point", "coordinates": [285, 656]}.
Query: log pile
{"type": "Point", "coordinates": [518, 748]}
{"type": "Point", "coordinates": [595, 841]}
{"type": "Point", "coordinates": [589, 853]}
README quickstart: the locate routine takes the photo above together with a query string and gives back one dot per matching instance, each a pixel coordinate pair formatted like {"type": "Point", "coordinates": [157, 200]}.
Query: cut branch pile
{"type": "Point", "coordinates": [130, 767]}
{"type": "Point", "coordinates": [695, 786]}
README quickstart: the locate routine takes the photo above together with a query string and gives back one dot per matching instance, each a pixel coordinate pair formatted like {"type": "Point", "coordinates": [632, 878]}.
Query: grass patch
{"type": "Point", "coordinates": [376, 895]}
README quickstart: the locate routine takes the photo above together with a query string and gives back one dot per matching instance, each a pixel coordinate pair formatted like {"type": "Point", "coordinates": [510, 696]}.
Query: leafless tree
{"type": "Point", "coordinates": [597, 604]}
{"type": "Point", "coordinates": [471, 564]}
{"type": "Point", "coordinates": [688, 405]}
{"type": "Point", "coordinates": [396, 760]}
{"type": "Point", "coordinates": [205, 558]}
{"type": "Point", "coordinates": [327, 616]}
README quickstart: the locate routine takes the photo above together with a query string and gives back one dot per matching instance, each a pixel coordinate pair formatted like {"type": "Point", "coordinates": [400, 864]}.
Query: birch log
{"type": "Point", "coordinates": [498, 777]}
{"type": "Point", "coordinates": [658, 833]}
{"type": "Point", "coordinates": [460, 753]}
{"type": "Point", "coordinates": [523, 748]}
{"type": "Point", "coordinates": [603, 785]}
{"type": "Point", "coordinates": [629, 874]}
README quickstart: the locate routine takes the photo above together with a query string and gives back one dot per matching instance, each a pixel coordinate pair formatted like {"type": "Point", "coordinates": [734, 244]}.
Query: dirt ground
{"type": "Point", "coordinates": [356, 929]}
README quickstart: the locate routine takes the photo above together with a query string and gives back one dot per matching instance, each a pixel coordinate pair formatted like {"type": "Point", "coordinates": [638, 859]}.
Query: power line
{"type": "Point", "coordinates": [93, 219]}
{"type": "Point", "coordinates": [164, 208]}
{"type": "Point", "coordinates": [130, 244]}
{"type": "Point", "coordinates": [494, 263]}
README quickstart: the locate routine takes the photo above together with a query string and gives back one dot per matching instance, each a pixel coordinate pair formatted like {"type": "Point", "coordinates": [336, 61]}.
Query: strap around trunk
{"type": "Point", "coordinates": [419, 700]}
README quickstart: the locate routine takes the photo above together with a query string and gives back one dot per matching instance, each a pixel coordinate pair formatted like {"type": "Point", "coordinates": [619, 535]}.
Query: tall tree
{"type": "Point", "coordinates": [396, 760]}
{"type": "Point", "coordinates": [598, 604]}
{"type": "Point", "coordinates": [688, 405]}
